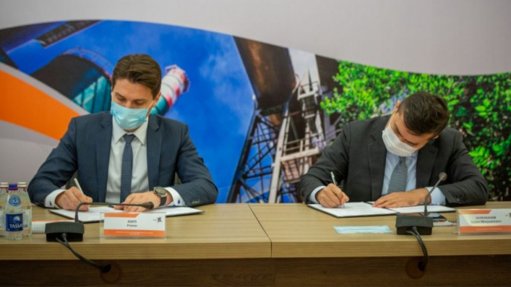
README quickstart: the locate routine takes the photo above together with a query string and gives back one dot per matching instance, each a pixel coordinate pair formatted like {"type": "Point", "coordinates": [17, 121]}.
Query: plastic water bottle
{"type": "Point", "coordinates": [4, 186]}
{"type": "Point", "coordinates": [26, 205]}
{"type": "Point", "coordinates": [13, 214]}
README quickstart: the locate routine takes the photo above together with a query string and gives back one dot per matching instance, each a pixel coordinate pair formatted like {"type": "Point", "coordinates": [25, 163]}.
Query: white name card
{"type": "Point", "coordinates": [484, 221]}
{"type": "Point", "coordinates": [134, 224]}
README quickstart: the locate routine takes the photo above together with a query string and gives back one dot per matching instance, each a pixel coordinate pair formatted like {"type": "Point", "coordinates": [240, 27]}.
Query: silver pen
{"type": "Point", "coordinates": [333, 178]}
{"type": "Point", "coordinates": [78, 185]}
{"type": "Point", "coordinates": [335, 183]}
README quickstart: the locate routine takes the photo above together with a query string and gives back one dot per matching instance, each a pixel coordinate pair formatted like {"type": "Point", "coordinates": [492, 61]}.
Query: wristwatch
{"type": "Point", "coordinates": [162, 194]}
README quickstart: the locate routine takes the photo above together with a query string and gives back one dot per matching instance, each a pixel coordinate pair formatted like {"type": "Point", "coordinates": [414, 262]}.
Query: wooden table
{"type": "Point", "coordinates": [263, 245]}
{"type": "Point", "coordinates": [307, 251]}
{"type": "Point", "coordinates": [202, 250]}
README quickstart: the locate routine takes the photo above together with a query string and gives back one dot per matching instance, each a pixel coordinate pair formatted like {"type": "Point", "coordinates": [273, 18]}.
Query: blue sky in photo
{"type": "Point", "coordinates": [218, 105]}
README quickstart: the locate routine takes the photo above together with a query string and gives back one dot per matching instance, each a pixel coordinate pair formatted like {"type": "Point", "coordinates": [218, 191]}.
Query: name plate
{"type": "Point", "coordinates": [134, 224]}
{"type": "Point", "coordinates": [484, 221]}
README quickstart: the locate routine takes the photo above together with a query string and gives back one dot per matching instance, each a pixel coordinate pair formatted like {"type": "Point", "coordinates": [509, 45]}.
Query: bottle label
{"type": "Point", "coordinates": [13, 222]}
{"type": "Point", "coordinates": [14, 200]}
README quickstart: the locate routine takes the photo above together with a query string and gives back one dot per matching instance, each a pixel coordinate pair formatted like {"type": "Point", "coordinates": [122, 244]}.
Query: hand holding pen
{"type": "Point", "coordinates": [332, 196]}
{"type": "Point", "coordinates": [69, 199]}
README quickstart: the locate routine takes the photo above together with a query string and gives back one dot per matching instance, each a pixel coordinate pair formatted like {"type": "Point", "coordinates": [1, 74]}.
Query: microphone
{"type": "Point", "coordinates": [74, 230]}
{"type": "Point", "coordinates": [65, 232]}
{"type": "Point", "coordinates": [421, 224]}
{"type": "Point", "coordinates": [441, 177]}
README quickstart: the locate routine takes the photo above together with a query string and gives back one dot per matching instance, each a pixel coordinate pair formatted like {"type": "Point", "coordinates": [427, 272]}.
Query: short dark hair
{"type": "Point", "coordinates": [424, 113]}
{"type": "Point", "coordinates": [140, 69]}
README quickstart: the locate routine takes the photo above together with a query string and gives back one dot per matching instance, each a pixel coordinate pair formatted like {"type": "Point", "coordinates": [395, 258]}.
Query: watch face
{"type": "Point", "coordinates": [161, 192]}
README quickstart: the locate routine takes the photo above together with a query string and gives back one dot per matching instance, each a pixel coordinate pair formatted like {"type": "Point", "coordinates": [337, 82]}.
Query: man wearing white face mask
{"type": "Point", "coordinates": [395, 160]}
{"type": "Point", "coordinates": [126, 155]}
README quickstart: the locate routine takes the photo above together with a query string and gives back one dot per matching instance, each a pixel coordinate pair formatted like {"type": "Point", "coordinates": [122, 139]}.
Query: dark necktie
{"type": "Point", "coordinates": [399, 176]}
{"type": "Point", "coordinates": [126, 167]}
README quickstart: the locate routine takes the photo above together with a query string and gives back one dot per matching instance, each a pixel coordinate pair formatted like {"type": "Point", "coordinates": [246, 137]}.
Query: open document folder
{"type": "Point", "coordinates": [355, 209]}
{"type": "Point", "coordinates": [94, 213]}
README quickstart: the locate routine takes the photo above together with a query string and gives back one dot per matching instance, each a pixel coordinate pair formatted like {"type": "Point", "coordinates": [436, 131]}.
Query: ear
{"type": "Point", "coordinates": [396, 107]}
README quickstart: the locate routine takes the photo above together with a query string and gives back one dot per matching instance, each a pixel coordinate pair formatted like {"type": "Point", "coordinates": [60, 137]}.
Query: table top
{"type": "Point", "coordinates": [296, 230]}
{"type": "Point", "coordinates": [221, 231]}
{"type": "Point", "coordinates": [259, 231]}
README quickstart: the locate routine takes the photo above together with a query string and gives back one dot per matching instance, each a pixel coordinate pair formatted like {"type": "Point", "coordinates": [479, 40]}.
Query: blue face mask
{"type": "Point", "coordinates": [128, 119]}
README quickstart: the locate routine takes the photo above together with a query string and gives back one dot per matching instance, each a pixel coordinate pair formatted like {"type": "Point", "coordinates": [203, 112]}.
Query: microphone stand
{"type": "Point", "coordinates": [65, 232]}
{"type": "Point", "coordinates": [423, 224]}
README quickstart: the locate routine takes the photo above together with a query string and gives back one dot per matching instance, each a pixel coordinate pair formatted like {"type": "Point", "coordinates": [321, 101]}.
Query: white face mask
{"type": "Point", "coordinates": [395, 145]}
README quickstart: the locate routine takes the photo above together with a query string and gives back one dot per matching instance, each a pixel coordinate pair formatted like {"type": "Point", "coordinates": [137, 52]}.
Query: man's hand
{"type": "Point", "coordinates": [70, 199]}
{"type": "Point", "coordinates": [332, 196]}
{"type": "Point", "coordinates": [141, 197]}
{"type": "Point", "coordinates": [401, 199]}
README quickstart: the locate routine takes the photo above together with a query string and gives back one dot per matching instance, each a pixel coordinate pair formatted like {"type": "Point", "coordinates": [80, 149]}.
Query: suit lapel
{"type": "Point", "coordinates": [377, 158]}
{"type": "Point", "coordinates": [425, 164]}
{"type": "Point", "coordinates": [103, 145]}
{"type": "Point", "coordinates": [154, 140]}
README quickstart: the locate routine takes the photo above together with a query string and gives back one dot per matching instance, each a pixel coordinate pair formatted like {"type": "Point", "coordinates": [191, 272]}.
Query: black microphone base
{"type": "Point", "coordinates": [405, 223]}
{"type": "Point", "coordinates": [73, 230]}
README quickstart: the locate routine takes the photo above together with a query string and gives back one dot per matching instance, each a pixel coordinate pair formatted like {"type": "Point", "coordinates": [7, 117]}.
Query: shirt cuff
{"type": "Point", "coordinates": [437, 196]}
{"type": "Point", "coordinates": [49, 200]}
{"type": "Point", "coordinates": [312, 196]}
{"type": "Point", "coordinates": [177, 200]}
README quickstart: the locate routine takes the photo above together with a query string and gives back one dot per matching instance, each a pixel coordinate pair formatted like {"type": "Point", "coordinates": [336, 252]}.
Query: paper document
{"type": "Point", "coordinates": [94, 213]}
{"type": "Point", "coordinates": [355, 209]}
{"type": "Point", "coordinates": [352, 209]}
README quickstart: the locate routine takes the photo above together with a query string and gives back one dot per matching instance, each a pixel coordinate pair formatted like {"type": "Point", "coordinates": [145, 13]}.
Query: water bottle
{"type": "Point", "coordinates": [26, 205]}
{"type": "Point", "coordinates": [13, 214]}
{"type": "Point", "coordinates": [4, 186]}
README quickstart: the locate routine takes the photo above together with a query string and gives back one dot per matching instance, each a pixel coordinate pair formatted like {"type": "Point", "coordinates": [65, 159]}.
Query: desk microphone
{"type": "Point", "coordinates": [441, 177]}
{"type": "Point", "coordinates": [65, 232]}
{"type": "Point", "coordinates": [423, 224]}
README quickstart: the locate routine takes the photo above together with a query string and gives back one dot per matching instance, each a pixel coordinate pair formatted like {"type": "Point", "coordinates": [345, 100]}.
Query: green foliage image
{"type": "Point", "coordinates": [480, 108]}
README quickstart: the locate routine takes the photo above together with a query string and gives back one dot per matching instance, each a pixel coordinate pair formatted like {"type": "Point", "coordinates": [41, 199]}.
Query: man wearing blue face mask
{"type": "Point", "coordinates": [395, 160]}
{"type": "Point", "coordinates": [126, 155]}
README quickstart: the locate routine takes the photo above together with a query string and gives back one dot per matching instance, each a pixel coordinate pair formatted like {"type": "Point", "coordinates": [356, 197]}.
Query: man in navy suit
{"type": "Point", "coordinates": [365, 158]}
{"type": "Point", "coordinates": [126, 155]}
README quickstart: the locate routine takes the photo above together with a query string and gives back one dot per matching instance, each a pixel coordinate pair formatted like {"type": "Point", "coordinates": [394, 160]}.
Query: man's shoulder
{"type": "Point", "coordinates": [167, 123]}
{"type": "Point", "coordinates": [448, 134]}
{"type": "Point", "coordinates": [93, 117]}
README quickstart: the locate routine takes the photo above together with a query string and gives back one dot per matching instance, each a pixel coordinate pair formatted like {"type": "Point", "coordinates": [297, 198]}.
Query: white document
{"type": "Point", "coordinates": [94, 213]}
{"type": "Point", "coordinates": [352, 209]}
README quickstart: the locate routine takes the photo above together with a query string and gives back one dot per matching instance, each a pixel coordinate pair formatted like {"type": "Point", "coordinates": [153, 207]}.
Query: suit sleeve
{"type": "Point", "coordinates": [334, 158]}
{"type": "Point", "coordinates": [466, 184]}
{"type": "Point", "coordinates": [197, 187]}
{"type": "Point", "coordinates": [57, 169]}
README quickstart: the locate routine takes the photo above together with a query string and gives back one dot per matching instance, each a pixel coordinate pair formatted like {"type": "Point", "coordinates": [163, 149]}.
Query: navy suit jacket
{"type": "Point", "coordinates": [357, 157]}
{"type": "Point", "coordinates": [85, 149]}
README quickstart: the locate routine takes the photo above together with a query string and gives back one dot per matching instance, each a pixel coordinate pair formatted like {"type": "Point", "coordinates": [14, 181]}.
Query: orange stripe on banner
{"type": "Point", "coordinates": [485, 229]}
{"type": "Point", "coordinates": [121, 214]}
{"type": "Point", "coordinates": [29, 107]}
{"type": "Point", "coordinates": [134, 233]}
{"type": "Point", "coordinates": [474, 211]}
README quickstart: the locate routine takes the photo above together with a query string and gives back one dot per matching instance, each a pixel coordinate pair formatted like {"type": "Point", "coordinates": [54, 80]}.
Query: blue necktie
{"type": "Point", "coordinates": [399, 176]}
{"type": "Point", "coordinates": [126, 167]}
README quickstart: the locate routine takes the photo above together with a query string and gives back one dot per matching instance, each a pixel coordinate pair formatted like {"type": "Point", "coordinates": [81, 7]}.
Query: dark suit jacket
{"type": "Point", "coordinates": [357, 157]}
{"type": "Point", "coordinates": [85, 149]}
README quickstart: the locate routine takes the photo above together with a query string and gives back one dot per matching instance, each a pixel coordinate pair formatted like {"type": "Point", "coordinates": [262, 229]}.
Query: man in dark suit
{"type": "Point", "coordinates": [395, 160]}
{"type": "Point", "coordinates": [126, 155]}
